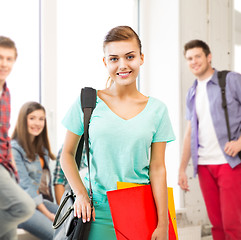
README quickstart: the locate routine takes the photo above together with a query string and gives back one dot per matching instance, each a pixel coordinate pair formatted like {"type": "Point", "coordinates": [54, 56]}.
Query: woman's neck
{"type": "Point", "coordinates": [123, 91]}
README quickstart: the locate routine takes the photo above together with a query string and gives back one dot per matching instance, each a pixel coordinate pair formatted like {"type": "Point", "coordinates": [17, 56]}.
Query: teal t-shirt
{"type": "Point", "coordinates": [119, 148]}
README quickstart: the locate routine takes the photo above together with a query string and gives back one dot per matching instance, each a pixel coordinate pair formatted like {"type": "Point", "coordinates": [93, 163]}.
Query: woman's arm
{"type": "Point", "coordinates": [159, 188]}
{"type": "Point", "coordinates": [82, 206]}
{"type": "Point", "coordinates": [29, 184]}
{"type": "Point", "coordinates": [42, 208]}
{"type": "Point", "coordinates": [59, 191]}
{"type": "Point", "coordinates": [59, 180]}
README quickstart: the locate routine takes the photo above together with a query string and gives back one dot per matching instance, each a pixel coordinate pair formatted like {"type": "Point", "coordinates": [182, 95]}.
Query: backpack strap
{"type": "Point", "coordinates": [222, 83]}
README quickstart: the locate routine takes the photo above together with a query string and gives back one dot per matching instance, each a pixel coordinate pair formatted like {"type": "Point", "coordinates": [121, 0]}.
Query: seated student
{"type": "Point", "coordinates": [16, 206]}
{"type": "Point", "coordinates": [60, 182]}
{"type": "Point", "coordinates": [31, 151]}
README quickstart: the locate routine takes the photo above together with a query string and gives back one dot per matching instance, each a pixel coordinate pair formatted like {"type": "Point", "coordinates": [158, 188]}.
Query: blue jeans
{"type": "Point", "coordinates": [39, 225]}
{"type": "Point", "coordinates": [16, 205]}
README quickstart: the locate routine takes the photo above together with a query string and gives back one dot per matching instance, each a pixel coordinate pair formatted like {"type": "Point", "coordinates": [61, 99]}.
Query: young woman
{"type": "Point", "coordinates": [31, 151]}
{"type": "Point", "coordinates": [124, 126]}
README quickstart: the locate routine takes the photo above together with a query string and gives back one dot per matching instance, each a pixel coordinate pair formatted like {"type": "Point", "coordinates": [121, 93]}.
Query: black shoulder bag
{"type": "Point", "coordinates": [68, 227]}
{"type": "Point", "coordinates": [222, 83]}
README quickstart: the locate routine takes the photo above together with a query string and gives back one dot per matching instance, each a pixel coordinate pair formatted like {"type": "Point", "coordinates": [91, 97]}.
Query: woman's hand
{"type": "Point", "coordinates": [51, 216]}
{"type": "Point", "coordinates": [82, 208]}
{"type": "Point", "coordinates": [160, 233]}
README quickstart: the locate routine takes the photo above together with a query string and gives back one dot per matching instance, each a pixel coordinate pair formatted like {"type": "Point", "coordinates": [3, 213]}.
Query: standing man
{"type": "Point", "coordinates": [215, 158]}
{"type": "Point", "coordinates": [16, 205]}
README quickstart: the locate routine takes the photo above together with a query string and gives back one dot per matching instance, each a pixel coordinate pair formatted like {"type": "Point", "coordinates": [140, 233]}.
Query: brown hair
{"type": "Point", "coordinates": [8, 43]}
{"type": "Point", "coordinates": [197, 44]}
{"type": "Point", "coordinates": [120, 33]}
{"type": "Point", "coordinates": [21, 134]}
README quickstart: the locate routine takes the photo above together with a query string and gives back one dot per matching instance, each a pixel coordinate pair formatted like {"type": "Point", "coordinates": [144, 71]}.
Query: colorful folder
{"type": "Point", "coordinates": [134, 214]}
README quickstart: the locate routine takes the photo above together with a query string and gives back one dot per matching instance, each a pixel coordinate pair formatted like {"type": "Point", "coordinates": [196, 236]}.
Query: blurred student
{"type": "Point", "coordinates": [16, 205]}
{"type": "Point", "coordinates": [60, 182]}
{"type": "Point", "coordinates": [215, 158]}
{"type": "Point", "coordinates": [31, 151]}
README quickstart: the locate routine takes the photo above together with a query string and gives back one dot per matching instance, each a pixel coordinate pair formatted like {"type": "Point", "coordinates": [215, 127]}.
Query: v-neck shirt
{"type": "Point", "coordinates": [119, 148]}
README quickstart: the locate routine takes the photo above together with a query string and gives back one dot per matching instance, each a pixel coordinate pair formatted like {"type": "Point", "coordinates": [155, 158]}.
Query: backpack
{"type": "Point", "coordinates": [222, 83]}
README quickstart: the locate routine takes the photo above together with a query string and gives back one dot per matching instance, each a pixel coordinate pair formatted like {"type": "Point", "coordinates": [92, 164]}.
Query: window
{"type": "Point", "coordinates": [82, 26]}
{"type": "Point", "coordinates": [21, 24]}
{"type": "Point", "coordinates": [237, 34]}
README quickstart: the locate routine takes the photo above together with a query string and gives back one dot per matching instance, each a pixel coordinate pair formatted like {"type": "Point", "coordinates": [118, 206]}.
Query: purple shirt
{"type": "Point", "coordinates": [233, 96]}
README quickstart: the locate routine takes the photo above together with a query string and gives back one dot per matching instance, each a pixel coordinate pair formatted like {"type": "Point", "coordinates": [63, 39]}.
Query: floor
{"type": "Point", "coordinates": [206, 238]}
{"type": "Point", "coordinates": [23, 235]}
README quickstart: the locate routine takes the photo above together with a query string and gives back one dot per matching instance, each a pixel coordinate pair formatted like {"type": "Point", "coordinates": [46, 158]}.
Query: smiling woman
{"type": "Point", "coordinates": [124, 65]}
{"type": "Point", "coordinates": [32, 153]}
{"type": "Point", "coordinates": [35, 123]}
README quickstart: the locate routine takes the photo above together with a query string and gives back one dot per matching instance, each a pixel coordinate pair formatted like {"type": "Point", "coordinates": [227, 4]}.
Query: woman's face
{"type": "Point", "coordinates": [36, 122]}
{"type": "Point", "coordinates": [123, 60]}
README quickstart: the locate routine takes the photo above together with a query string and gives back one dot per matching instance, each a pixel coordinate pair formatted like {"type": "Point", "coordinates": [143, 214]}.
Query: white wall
{"type": "Point", "coordinates": [23, 28]}
{"type": "Point", "coordinates": [237, 35]}
{"type": "Point", "coordinates": [160, 72]}
{"type": "Point", "coordinates": [49, 67]}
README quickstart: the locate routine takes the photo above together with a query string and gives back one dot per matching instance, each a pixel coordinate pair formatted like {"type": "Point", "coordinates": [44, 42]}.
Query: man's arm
{"type": "Point", "coordinates": [232, 148]}
{"type": "Point", "coordinates": [186, 155]}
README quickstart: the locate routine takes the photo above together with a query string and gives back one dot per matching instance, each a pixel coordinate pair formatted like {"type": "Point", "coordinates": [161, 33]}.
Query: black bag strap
{"type": "Point", "coordinates": [56, 224]}
{"type": "Point", "coordinates": [222, 83]}
{"type": "Point", "coordinates": [79, 151]}
{"type": "Point", "coordinates": [88, 102]}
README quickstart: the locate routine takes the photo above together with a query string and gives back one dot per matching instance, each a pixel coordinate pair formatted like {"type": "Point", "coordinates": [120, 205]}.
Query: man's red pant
{"type": "Point", "coordinates": [221, 189]}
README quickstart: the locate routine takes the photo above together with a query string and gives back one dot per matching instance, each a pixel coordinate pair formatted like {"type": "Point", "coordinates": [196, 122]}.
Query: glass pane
{"type": "Point", "coordinates": [22, 26]}
{"type": "Point", "coordinates": [237, 5]}
{"type": "Point", "coordinates": [237, 34]}
{"type": "Point", "coordinates": [82, 26]}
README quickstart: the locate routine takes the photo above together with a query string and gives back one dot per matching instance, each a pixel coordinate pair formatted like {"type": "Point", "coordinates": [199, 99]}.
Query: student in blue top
{"type": "Point", "coordinates": [124, 126]}
{"type": "Point", "coordinates": [32, 152]}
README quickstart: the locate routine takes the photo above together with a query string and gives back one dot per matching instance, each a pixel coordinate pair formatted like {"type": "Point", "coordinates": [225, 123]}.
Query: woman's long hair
{"type": "Point", "coordinates": [21, 134]}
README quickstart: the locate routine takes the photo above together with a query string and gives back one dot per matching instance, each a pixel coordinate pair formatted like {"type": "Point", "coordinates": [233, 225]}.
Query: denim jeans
{"type": "Point", "coordinates": [39, 225]}
{"type": "Point", "coordinates": [16, 205]}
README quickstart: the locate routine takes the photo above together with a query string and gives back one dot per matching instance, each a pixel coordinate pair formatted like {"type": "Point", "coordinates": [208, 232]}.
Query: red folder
{"type": "Point", "coordinates": [134, 213]}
